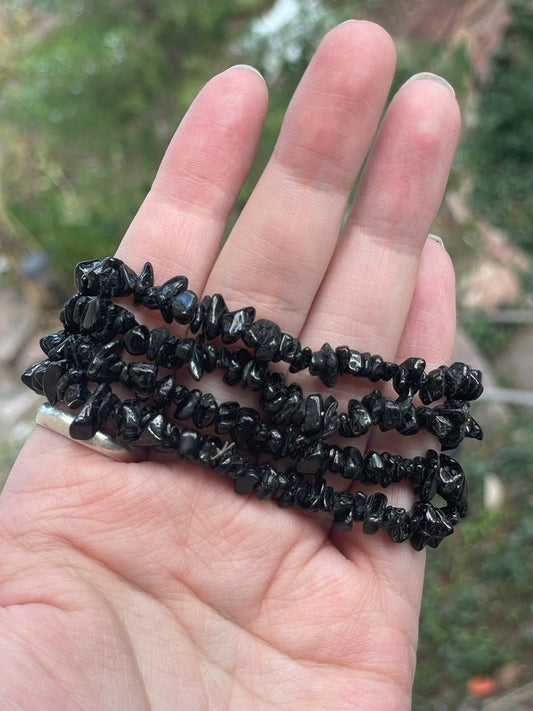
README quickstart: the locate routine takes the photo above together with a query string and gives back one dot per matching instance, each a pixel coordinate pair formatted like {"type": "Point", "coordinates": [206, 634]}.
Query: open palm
{"type": "Point", "coordinates": [152, 585]}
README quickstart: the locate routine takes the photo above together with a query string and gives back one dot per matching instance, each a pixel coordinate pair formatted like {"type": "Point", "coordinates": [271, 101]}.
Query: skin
{"type": "Point", "coordinates": [153, 585]}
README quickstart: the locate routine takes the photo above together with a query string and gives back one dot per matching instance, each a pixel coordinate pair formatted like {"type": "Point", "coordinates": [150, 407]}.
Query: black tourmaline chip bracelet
{"type": "Point", "coordinates": [100, 349]}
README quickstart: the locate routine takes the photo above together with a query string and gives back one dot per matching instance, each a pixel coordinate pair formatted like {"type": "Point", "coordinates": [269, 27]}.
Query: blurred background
{"type": "Point", "coordinates": [92, 91]}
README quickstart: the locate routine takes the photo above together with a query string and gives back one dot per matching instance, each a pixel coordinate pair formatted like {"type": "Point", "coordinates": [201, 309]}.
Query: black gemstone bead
{"type": "Point", "coordinates": [308, 496]}
{"type": "Point", "coordinates": [205, 412]}
{"type": "Point", "coordinates": [356, 421]}
{"type": "Point", "coordinates": [288, 348]}
{"type": "Point", "coordinates": [168, 293]}
{"type": "Point", "coordinates": [75, 395]}
{"type": "Point", "coordinates": [136, 340]}
{"type": "Point", "coordinates": [334, 459]}
{"type": "Point", "coordinates": [268, 483]}
{"type": "Point", "coordinates": [209, 449]}
{"type": "Point", "coordinates": [313, 457]}
{"type": "Point", "coordinates": [226, 417]}
{"type": "Point", "coordinates": [87, 421]}
{"type": "Point", "coordinates": [157, 337]}
{"type": "Point", "coordinates": [373, 468]}
{"type": "Point", "coordinates": [264, 337]}
{"type": "Point", "coordinates": [360, 507]}
{"type": "Point", "coordinates": [196, 361]}
{"type": "Point", "coordinates": [291, 403]}
{"type": "Point", "coordinates": [130, 418]}
{"type": "Point", "coordinates": [183, 351]}
{"type": "Point", "coordinates": [95, 314]}
{"type": "Point", "coordinates": [352, 463]}
{"type": "Point", "coordinates": [425, 475]}
{"type": "Point", "coordinates": [472, 429]}
{"type": "Point", "coordinates": [451, 482]}
{"type": "Point", "coordinates": [52, 340]}
{"type": "Point", "coordinates": [188, 445]}
{"type": "Point", "coordinates": [410, 377]}
{"type": "Point", "coordinates": [374, 403]}
{"type": "Point", "coordinates": [197, 317]}
{"type": "Point", "coordinates": [142, 376]}
{"type": "Point", "coordinates": [164, 391]}
{"type": "Point", "coordinates": [239, 359]}
{"type": "Point", "coordinates": [107, 277]}
{"type": "Point", "coordinates": [153, 434]}
{"type": "Point", "coordinates": [51, 377]}
{"type": "Point", "coordinates": [253, 375]}
{"type": "Point", "coordinates": [215, 307]}
{"type": "Point", "coordinates": [375, 509]}
{"type": "Point", "coordinates": [183, 306]}
{"type": "Point", "coordinates": [150, 298]}
{"type": "Point", "coordinates": [397, 523]}
{"type": "Point", "coordinates": [301, 361]}
{"type": "Point", "coordinates": [185, 411]}
{"type": "Point", "coordinates": [344, 510]}
{"type": "Point", "coordinates": [408, 423]}
{"type": "Point", "coordinates": [324, 363]}
{"type": "Point", "coordinates": [429, 526]}
{"type": "Point", "coordinates": [144, 281]}
{"type": "Point", "coordinates": [33, 376]}
{"type": "Point", "coordinates": [350, 361]}
{"type": "Point", "coordinates": [463, 382]}
{"type": "Point", "coordinates": [247, 480]}
{"type": "Point", "coordinates": [435, 386]}
{"type": "Point", "coordinates": [375, 365]}
{"type": "Point", "coordinates": [245, 424]}
{"type": "Point", "coordinates": [391, 415]}
{"type": "Point", "coordinates": [235, 323]}
{"type": "Point", "coordinates": [314, 408]}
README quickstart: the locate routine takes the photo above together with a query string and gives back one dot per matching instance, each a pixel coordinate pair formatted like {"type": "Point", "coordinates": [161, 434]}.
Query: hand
{"type": "Point", "coordinates": [153, 585]}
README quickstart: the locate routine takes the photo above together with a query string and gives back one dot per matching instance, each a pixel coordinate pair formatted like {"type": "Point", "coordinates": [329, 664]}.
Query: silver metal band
{"type": "Point", "coordinates": [57, 420]}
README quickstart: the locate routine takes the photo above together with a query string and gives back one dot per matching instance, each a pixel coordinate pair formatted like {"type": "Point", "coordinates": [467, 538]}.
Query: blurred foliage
{"type": "Point", "coordinates": [500, 146]}
{"type": "Point", "coordinates": [93, 90]}
{"type": "Point", "coordinates": [477, 610]}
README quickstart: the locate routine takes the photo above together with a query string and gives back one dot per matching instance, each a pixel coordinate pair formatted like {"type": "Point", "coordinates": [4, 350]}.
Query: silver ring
{"type": "Point", "coordinates": [57, 420]}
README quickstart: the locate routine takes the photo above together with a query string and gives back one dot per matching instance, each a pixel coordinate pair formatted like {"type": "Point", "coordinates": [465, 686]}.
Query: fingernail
{"type": "Point", "coordinates": [248, 67]}
{"type": "Point", "coordinates": [436, 238]}
{"type": "Point", "coordinates": [433, 77]}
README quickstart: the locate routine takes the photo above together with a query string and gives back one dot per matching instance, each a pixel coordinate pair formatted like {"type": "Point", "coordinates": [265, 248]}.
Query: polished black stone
{"type": "Point", "coordinates": [410, 377]}
{"type": "Point", "coordinates": [33, 376]}
{"type": "Point", "coordinates": [182, 306]}
{"type": "Point", "coordinates": [234, 323]}
{"type": "Point", "coordinates": [429, 526]}
{"type": "Point", "coordinates": [185, 411]}
{"type": "Point", "coordinates": [375, 508]}
{"type": "Point", "coordinates": [314, 408]}
{"type": "Point", "coordinates": [246, 481]}
{"type": "Point", "coordinates": [356, 422]}
{"type": "Point", "coordinates": [324, 363]}
{"type": "Point", "coordinates": [214, 308]}
{"type": "Point", "coordinates": [397, 523]}
{"type": "Point", "coordinates": [144, 281]}
{"type": "Point", "coordinates": [205, 412]}
{"type": "Point", "coordinates": [51, 377]}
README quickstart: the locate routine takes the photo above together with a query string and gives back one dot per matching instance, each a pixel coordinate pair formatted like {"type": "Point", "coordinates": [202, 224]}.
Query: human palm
{"type": "Point", "coordinates": [152, 585]}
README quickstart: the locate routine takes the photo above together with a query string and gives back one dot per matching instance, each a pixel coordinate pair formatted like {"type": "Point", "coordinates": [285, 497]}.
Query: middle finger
{"type": "Point", "coordinates": [281, 245]}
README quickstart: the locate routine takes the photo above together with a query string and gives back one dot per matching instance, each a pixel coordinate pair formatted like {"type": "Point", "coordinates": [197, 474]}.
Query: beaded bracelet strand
{"type": "Point", "coordinates": [247, 430]}
{"type": "Point", "coordinates": [450, 422]}
{"type": "Point", "coordinates": [110, 277]}
{"type": "Point", "coordinates": [96, 332]}
{"type": "Point", "coordinates": [144, 426]}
